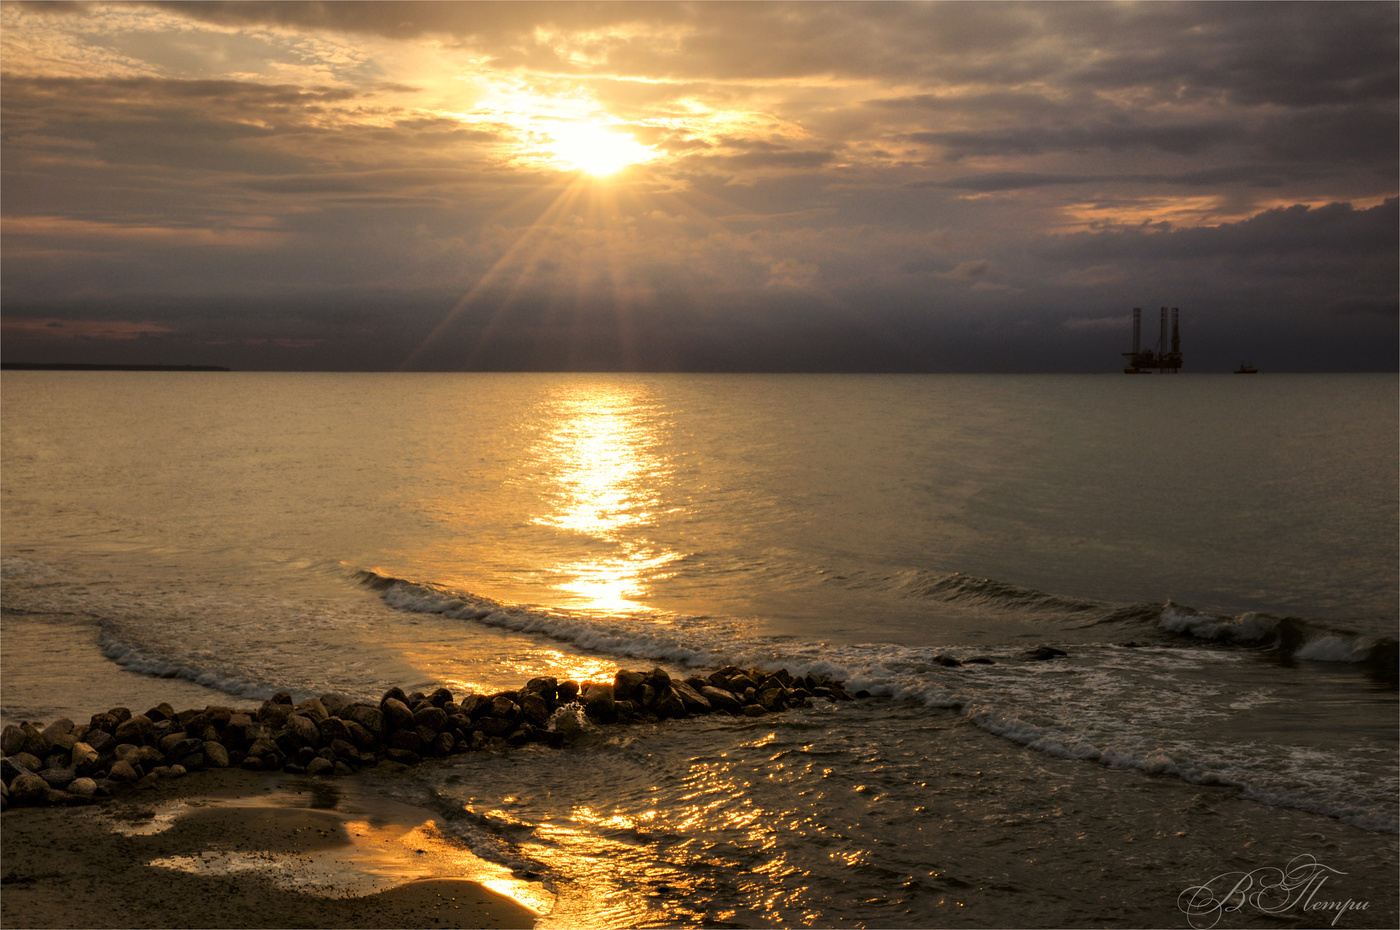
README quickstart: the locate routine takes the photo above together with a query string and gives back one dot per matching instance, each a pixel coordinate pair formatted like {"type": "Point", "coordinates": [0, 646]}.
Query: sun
{"type": "Point", "coordinates": [595, 149]}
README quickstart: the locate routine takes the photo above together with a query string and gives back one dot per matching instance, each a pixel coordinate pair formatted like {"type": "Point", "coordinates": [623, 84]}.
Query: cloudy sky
{"type": "Point", "coordinates": [736, 186]}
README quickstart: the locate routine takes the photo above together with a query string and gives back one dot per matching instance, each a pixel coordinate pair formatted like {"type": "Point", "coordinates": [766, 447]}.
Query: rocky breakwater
{"type": "Point", "coordinates": [69, 763]}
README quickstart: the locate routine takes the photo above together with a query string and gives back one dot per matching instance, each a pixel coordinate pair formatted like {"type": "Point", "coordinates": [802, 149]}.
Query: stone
{"type": "Point", "coordinates": [215, 755]}
{"type": "Point", "coordinates": [59, 778]}
{"type": "Point", "coordinates": [334, 703]}
{"type": "Point", "coordinates": [947, 661]}
{"type": "Point", "coordinates": [721, 699]}
{"type": "Point", "coordinates": [27, 761]}
{"type": "Point", "coordinates": [29, 789]}
{"type": "Point", "coordinates": [660, 681]}
{"type": "Point", "coordinates": [397, 715]}
{"type": "Point", "coordinates": [60, 727]}
{"type": "Point", "coordinates": [754, 710]}
{"type": "Point", "coordinates": [103, 721]}
{"type": "Point", "coordinates": [319, 766]}
{"type": "Point", "coordinates": [367, 716]}
{"type": "Point", "coordinates": [495, 726]}
{"type": "Point", "coordinates": [138, 730]}
{"type": "Point", "coordinates": [669, 705]}
{"type": "Point", "coordinates": [361, 736]}
{"type": "Point", "coordinates": [503, 705]}
{"type": "Point", "coordinates": [120, 714]}
{"type": "Point", "coordinates": [11, 768]}
{"type": "Point", "coordinates": [444, 744]}
{"type": "Point", "coordinates": [35, 743]}
{"type": "Point", "coordinates": [312, 709]}
{"type": "Point", "coordinates": [84, 788]}
{"type": "Point", "coordinates": [545, 687]}
{"type": "Point", "coordinates": [304, 728]}
{"type": "Point", "coordinates": [274, 714]}
{"type": "Point", "coordinates": [169, 741]}
{"type": "Point", "coordinates": [100, 740]}
{"type": "Point", "coordinates": [332, 729]}
{"type": "Point", "coordinates": [432, 717]}
{"type": "Point", "coordinates": [598, 702]}
{"type": "Point", "coordinates": [397, 694]}
{"type": "Point", "coordinates": [162, 711]}
{"type": "Point", "coordinates": [405, 739]}
{"type": "Point", "coordinates": [123, 772]}
{"type": "Point", "coordinates": [281, 697]}
{"type": "Point", "coordinates": [341, 768]}
{"type": "Point", "coordinates": [219, 715]}
{"type": "Point", "coordinates": [474, 705]}
{"type": "Point", "coordinates": [440, 697]}
{"type": "Point", "coordinates": [535, 708]}
{"type": "Point", "coordinates": [1042, 653]}
{"type": "Point", "coordinates": [772, 699]}
{"type": "Point", "coordinates": [12, 740]}
{"type": "Point", "coordinates": [627, 685]}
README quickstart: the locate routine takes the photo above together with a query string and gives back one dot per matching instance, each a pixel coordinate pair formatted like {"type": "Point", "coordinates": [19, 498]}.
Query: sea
{"type": "Point", "coordinates": [1216, 555]}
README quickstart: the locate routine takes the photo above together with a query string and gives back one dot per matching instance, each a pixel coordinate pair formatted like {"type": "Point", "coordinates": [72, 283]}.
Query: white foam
{"type": "Point", "coordinates": [1333, 649]}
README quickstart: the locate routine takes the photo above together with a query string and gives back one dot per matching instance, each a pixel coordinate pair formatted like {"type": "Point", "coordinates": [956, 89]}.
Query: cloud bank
{"type": "Point", "coordinates": [825, 186]}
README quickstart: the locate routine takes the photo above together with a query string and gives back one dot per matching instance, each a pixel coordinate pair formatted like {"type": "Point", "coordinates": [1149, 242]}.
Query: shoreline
{"type": "Point", "coordinates": [233, 848]}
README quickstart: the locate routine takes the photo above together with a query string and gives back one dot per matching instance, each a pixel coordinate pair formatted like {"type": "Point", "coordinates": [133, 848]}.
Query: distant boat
{"type": "Point", "coordinates": [1246, 369]}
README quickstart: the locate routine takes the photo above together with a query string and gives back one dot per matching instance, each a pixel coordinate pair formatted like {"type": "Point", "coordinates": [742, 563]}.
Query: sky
{"type": "Point", "coordinates": [700, 187]}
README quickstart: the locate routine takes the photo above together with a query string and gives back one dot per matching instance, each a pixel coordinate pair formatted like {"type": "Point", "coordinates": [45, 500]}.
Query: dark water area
{"type": "Point", "coordinates": [1216, 557]}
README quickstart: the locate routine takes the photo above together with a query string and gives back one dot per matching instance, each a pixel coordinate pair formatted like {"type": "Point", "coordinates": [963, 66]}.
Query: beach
{"type": "Point", "coordinates": [1120, 639]}
{"type": "Point", "coordinates": [242, 849]}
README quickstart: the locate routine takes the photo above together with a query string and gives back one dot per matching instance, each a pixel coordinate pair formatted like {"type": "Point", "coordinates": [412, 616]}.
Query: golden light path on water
{"type": "Point", "coordinates": [602, 477]}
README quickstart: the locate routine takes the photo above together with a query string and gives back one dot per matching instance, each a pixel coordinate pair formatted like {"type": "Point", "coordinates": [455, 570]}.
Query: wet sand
{"type": "Point", "coordinates": [242, 849]}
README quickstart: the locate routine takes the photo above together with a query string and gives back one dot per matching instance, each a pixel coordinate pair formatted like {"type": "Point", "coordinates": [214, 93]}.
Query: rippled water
{"type": "Point", "coordinates": [1217, 556]}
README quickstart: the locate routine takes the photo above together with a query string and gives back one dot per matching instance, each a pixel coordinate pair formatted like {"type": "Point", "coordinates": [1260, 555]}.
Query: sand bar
{"type": "Point", "coordinates": [243, 849]}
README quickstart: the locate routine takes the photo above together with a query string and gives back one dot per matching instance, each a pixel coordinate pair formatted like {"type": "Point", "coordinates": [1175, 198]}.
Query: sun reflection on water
{"type": "Point", "coordinates": [604, 477]}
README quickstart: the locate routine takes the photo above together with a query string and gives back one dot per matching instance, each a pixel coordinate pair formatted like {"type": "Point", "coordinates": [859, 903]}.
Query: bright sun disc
{"type": "Point", "coordinates": [596, 150]}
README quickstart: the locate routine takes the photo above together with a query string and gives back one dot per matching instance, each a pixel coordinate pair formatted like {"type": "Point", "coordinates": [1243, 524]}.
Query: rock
{"type": "Point", "coordinates": [10, 769]}
{"type": "Point", "coordinates": [773, 699]}
{"type": "Point", "coordinates": [27, 762]}
{"type": "Point", "coordinates": [443, 744]}
{"type": "Point", "coordinates": [627, 685]}
{"type": "Point", "coordinates": [12, 740]}
{"type": "Point", "coordinates": [344, 749]}
{"type": "Point", "coordinates": [319, 766]}
{"type": "Point", "coordinates": [503, 705]}
{"type": "Point", "coordinates": [405, 739]}
{"type": "Point", "coordinates": [568, 691]}
{"type": "Point", "coordinates": [397, 694]}
{"type": "Point", "coordinates": [60, 727]}
{"type": "Point", "coordinates": [120, 714]}
{"type": "Point", "coordinates": [440, 697]}
{"type": "Point", "coordinates": [432, 717]}
{"type": "Point", "coordinates": [35, 743]}
{"type": "Point", "coordinates": [274, 714]}
{"type": "Point", "coordinates": [312, 709]}
{"type": "Point", "coordinates": [101, 741]}
{"type": "Point", "coordinates": [367, 716]}
{"type": "Point", "coordinates": [281, 697]}
{"type": "Point", "coordinates": [598, 702]}
{"type": "Point", "coordinates": [341, 768]}
{"type": "Point", "coordinates": [1042, 653]}
{"type": "Point", "coordinates": [182, 750]}
{"type": "Point", "coordinates": [123, 772]}
{"type": "Point", "coordinates": [59, 778]}
{"type": "Point", "coordinates": [332, 729]}
{"type": "Point", "coordinates": [946, 661]}
{"type": "Point", "coordinates": [304, 728]}
{"type": "Point", "coordinates": [754, 710]}
{"type": "Point", "coordinates": [219, 715]}
{"type": "Point", "coordinates": [403, 756]}
{"type": "Point", "coordinates": [978, 660]}
{"type": "Point", "coordinates": [161, 711]}
{"type": "Point", "coordinates": [215, 755]}
{"type": "Point", "coordinates": [138, 730]}
{"type": "Point", "coordinates": [169, 741]}
{"type": "Point", "coordinates": [535, 708]}
{"type": "Point", "coordinates": [334, 703]}
{"type": "Point", "coordinates": [361, 736]}
{"type": "Point", "coordinates": [397, 716]}
{"type": "Point", "coordinates": [84, 788]}
{"type": "Point", "coordinates": [474, 705]}
{"type": "Point", "coordinates": [495, 726]}
{"type": "Point", "coordinates": [660, 681]}
{"type": "Point", "coordinates": [721, 700]}
{"type": "Point", "coordinates": [29, 789]}
{"type": "Point", "coordinates": [669, 705]}
{"type": "Point", "coordinates": [103, 721]}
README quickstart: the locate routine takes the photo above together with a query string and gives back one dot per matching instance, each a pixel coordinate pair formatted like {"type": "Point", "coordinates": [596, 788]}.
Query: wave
{"type": "Point", "coordinates": [1291, 638]}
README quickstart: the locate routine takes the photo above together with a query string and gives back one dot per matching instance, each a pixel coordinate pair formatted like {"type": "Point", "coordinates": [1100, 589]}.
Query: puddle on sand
{"type": "Point", "coordinates": [383, 844]}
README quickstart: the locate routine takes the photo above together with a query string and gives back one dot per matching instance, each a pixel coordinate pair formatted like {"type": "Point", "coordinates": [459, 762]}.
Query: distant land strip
{"type": "Point", "coordinates": [73, 366]}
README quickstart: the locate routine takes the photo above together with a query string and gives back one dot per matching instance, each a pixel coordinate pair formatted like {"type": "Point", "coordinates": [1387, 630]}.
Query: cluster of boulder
{"type": "Point", "coordinates": [68, 763]}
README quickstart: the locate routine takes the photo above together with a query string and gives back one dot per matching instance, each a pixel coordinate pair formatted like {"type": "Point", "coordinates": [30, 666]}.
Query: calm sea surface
{"type": "Point", "coordinates": [1216, 554]}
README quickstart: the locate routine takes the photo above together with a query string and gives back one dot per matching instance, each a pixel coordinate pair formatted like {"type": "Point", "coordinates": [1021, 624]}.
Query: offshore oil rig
{"type": "Point", "coordinates": [1164, 360]}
